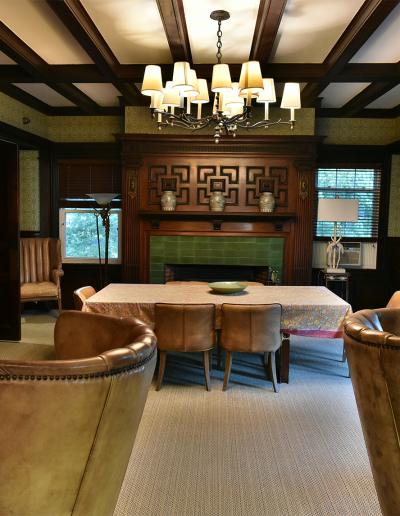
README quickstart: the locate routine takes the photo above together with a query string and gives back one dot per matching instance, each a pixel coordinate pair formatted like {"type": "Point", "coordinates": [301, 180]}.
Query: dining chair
{"type": "Point", "coordinates": [394, 301]}
{"type": "Point", "coordinates": [252, 283]}
{"type": "Point", "coordinates": [251, 329]}
{"type": "Point", "coordinates": [80, 296]}
{"type": "Point", "coordinates": [185, 327]}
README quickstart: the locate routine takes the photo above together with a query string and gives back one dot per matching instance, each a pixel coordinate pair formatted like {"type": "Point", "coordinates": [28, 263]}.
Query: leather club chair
{"type": "Point", "coordinates": [80, 296]}
{"type": "Point", "coordinates": [181, 327]}
{"type": "Point", "coordinates": [251, 329]}
{"type": "Point", "coordinates": [394, 301]}
{"type": "Point", "coordinates": [40, 270]}
{"type": "Point", "coordinates": [372, 342]}
{"type": "Point", "coordinates": [68, 425]}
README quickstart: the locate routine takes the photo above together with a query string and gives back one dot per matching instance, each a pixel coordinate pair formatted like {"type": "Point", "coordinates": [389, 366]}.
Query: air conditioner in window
{"type": "Point", "coordinates": [351, 253]}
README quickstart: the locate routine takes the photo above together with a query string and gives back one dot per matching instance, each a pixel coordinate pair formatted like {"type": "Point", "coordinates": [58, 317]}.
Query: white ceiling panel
{"type": "Point", "coordinates": [390, 100]}
{"type": "Point", "coordinates": [102, 94]}
{"type": "Point", "coordinates": [384, 44]}
{"type": "Point", "coordinates": [310, 28]}
{"type": "Point", "coordinates": [39, 27]}
{"type": "Point", "coordinates": [45, 94]}
{"type": "Point", "coordinates": [133, 29]}
{"type": "Point", "coordinates": [6, 60]}
{"type": "Point", "coordinates": [337, 94]}
{"type": "Point", "coordinates": [237, 32]}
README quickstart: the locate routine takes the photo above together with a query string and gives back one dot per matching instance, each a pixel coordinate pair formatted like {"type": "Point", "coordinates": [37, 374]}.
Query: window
{"type": "Point", "coordinates": [350, 183]}
{"type": "Point", "coordinates": [78, 234]}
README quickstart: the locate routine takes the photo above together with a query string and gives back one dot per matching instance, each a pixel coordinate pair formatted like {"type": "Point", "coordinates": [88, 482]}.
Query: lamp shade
{"type": "Point", "coordinates": [268, 93]}
{"type": "Point", "coordinates": [250, 77]}
{"type": "Point", "coordinates": [202, 97]}
{"type": "Point", "coordinates": [195, 83]}
{"type": "Point", "coordinates": [103, 198]}
{"type": "Point", "coordinates": [232, 98]}
{"type": "Point", "coordinates": [291, 96]}
{"type": "Point", "coordinates": [152, 81]}
{"type": "Point", "coordinates": [171, 95]}
{"type": "Point", "coordinates": [221, 78]}
{"type": "Point", "coordinates": [181, 79]}
{"type": "Point", "coordinates": [338, 210]}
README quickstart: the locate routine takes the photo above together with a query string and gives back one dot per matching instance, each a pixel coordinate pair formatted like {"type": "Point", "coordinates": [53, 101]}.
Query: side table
{"type": "Point", "coordinates": [343, 277]}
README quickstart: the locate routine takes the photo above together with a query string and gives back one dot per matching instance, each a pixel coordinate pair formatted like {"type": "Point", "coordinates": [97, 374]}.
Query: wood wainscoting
{"type": "Point", "coordinates": [243, 168]}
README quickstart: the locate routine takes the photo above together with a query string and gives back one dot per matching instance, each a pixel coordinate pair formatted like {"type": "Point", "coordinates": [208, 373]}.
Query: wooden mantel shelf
{"type": "Point", "coordinates": [218, 217]}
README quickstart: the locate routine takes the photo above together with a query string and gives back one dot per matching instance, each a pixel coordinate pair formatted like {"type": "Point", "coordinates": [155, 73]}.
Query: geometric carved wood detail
{"type": "Point", "coordinates": [218, 178]}
{"type": "Point", "coordinates": [262, 179]}
{"type": "Point", "coordinates": [168, 178]}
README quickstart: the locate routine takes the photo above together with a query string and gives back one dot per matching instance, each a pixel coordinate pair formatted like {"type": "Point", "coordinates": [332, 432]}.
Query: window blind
{"type": "Point", "coordinates": [350, 183]}
{"type": "Point", "coordinates": [78, 178]}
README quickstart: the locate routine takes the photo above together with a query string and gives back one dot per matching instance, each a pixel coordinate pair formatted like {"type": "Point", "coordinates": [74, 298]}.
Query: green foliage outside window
{"type": "Point", "coordinates": [81, 235]}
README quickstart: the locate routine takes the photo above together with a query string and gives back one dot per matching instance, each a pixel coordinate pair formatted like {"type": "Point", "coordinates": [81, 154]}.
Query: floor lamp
{"type": "Point", "coordinates": [104, 200]}
{"type": "Point", "coordinates": [336, 210]}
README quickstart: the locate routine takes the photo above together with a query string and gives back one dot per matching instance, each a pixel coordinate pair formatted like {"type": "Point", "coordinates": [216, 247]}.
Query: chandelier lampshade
{"type": "Point", "coordinates": [181, 79]}
{"type": "Point", "coordinates": [228, 112]}
{"type": "Point", "coordinates": [221, 78]}
{"type": "Point", "coordinates": [152, 81]}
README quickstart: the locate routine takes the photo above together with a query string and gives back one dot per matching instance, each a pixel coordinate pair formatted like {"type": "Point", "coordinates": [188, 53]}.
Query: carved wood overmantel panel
{"type": "Point", "coordinates": [193, 167]}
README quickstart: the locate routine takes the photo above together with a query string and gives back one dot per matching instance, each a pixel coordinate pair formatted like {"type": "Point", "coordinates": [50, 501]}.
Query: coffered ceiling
{"type": "Point", "coordinates": [71, 57]}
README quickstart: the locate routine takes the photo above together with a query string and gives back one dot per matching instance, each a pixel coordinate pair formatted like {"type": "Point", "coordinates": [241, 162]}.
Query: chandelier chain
{"type": "Point", "coordinates": [219, 42]}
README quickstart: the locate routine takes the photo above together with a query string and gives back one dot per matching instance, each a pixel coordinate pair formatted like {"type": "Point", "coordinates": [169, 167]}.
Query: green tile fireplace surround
{"type": "Point", "coordinates": [214, 250]}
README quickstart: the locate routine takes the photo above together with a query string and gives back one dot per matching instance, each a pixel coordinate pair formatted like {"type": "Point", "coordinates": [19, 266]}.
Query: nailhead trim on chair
{"type": "Point", "coordinates": [80, 376]}
{"type": "Point", "coordinates": [373, 344]}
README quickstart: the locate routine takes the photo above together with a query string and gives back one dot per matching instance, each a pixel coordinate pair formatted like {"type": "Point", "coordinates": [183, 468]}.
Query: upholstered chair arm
{"type": "Point", "coordinates": [55, 275]}
{"type": "Point", "coordinates": [389, 319]}
{"type": "Point", "coordinates": [83, 334]}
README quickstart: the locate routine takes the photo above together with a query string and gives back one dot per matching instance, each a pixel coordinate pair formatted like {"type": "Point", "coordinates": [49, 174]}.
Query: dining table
{"type": "Point", "coordinates": [306, 310]}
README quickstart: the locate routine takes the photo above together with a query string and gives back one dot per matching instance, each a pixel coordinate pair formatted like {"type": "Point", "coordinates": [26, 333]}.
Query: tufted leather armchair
{"type": "Point", "coordinates": [372, 343]}
{"type": "Point", "coordinates": [40, 270]}
{"type": "Point", "coordinates": [68, 426]}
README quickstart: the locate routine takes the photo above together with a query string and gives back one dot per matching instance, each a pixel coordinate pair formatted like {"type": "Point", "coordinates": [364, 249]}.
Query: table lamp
{"type": "Point", "coordinates": [104, 200]}
{"type": "Point", "coordinates": [336, 210]}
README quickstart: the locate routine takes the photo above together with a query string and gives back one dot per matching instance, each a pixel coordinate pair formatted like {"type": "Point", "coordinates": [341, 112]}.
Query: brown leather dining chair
{"type": "Point", "coordinates": [251, 329]}
{"type": "Point", "coordinates": [40, 270]}
{"type": "Point", "coordinates": [80, 296]}
{"type": "Point", "coordinates": [181, 327]}
{"type": "Point", "coordinates": [69, 425]}
{"type": "Point", "coordinates": [187, 283]}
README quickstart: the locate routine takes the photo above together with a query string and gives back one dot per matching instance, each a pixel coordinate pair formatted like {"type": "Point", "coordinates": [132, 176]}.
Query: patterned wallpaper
{"type": "Point", "coordinates": [12, 112]}
{"type": "Point", "coordinates": [29, 191]}
{"type": "Point", "coordinates": [84, 128]}
{"type": "Point", "coordinates": [394, 204]}
{"type": "Point", "coordinates": [138, 120]}
{"type": "Point", "coordinates": [357, 131]}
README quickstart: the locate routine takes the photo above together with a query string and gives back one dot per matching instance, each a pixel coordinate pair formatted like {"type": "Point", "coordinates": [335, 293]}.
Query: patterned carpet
{"type": "Point", "coordinates": [246, 451]}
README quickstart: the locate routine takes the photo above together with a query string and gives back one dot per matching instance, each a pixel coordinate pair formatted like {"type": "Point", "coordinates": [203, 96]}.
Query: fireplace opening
{"type": "Point", "coordinates": [215, 272]}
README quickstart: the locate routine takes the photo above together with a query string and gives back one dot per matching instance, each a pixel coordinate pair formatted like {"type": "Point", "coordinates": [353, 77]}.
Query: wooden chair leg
{"type": "Point", "coordinates": [228, 366]}
{"type": "Point", "coordinates": [211, 358]}
{"type": "Point", "coordinates": [272, 369]}
{"type": "Point", "coordinates": [206, 367]}
{"type": "Point", "coordinates": [59, 306]}
{"type": "Point", "coordinates": [161, 367]}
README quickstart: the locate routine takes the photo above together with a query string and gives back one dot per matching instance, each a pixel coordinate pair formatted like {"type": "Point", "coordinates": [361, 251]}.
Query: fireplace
{"type": "Point", "coordinates": [215, 272]}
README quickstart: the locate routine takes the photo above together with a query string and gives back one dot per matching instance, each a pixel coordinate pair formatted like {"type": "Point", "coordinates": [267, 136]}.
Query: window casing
{"type": "Point", "coordinates": [363, 183]}
{"type": "Point", "coordinates": [78, 235]}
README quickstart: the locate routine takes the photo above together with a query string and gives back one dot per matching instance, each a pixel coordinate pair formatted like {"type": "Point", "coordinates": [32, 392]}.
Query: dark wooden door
{"type": "Point", "coordinates": [10, 294]}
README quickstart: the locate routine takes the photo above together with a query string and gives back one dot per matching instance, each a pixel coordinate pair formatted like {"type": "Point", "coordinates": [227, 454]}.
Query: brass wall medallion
{"type": "Point", "coordinates": [132, 190]}
{"type": "Point", "coordinates": [303, 193]}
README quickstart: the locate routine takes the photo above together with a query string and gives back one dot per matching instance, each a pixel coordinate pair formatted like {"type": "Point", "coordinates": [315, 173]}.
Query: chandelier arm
{"type": "Point", "coordinates": [261, 123]}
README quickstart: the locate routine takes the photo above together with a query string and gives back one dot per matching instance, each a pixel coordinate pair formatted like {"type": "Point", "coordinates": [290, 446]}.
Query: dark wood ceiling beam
{"type": "Point", "coordinates": [371, 14]}
{"type": "Point", "coordinates": [268, 20]}
{"type": "Point", "coordinates": [25, 98]}
{"type": "Point", "coordinates": [174, 22]}
{"type": "Point", "coordinates": [77, 97]}
{"type": "Point", "coordinates": [370, 72]}
{"type": "Point", "coordinates": [19, 52]}
{"type": "Point", "coordinates": [364, 98]}
{"type": "Point", "coordinates": [78, 22]}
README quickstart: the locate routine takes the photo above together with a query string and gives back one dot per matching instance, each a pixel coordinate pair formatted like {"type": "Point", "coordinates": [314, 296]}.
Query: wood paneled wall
{"type": "Point", "coordinates": [193, 167]}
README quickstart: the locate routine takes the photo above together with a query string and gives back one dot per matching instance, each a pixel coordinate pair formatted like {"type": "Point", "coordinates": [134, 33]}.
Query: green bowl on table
{"type": "Point", "coordinates": [227, 287]}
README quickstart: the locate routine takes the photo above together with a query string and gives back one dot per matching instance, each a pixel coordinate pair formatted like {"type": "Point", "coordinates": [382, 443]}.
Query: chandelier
{"type": "Point", "coordinates": [232, 101]}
